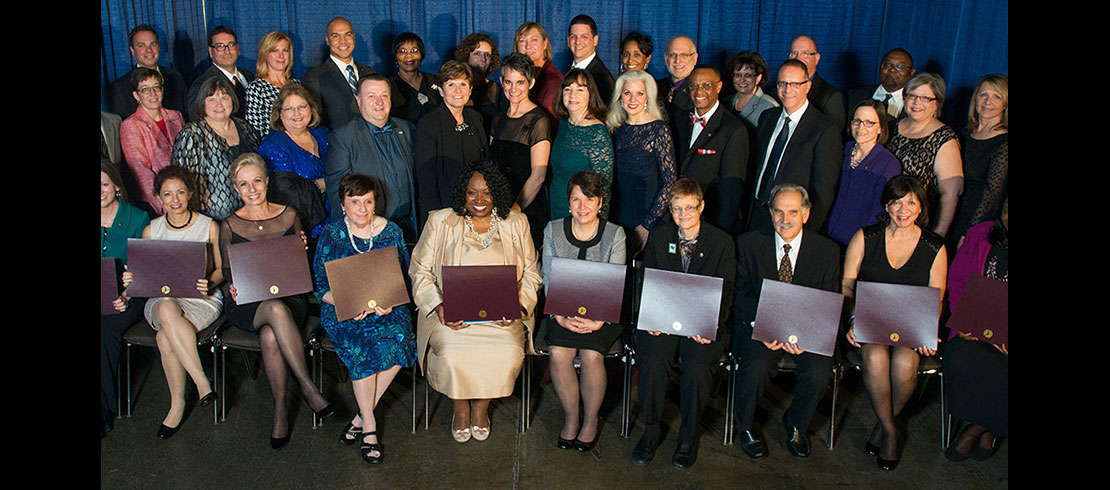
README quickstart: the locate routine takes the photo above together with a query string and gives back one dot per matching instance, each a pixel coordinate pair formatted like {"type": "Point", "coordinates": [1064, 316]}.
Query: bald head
{"type": "Point", "coordinates": [681, 57]}
{"type": "Point", "coordinates": [804, 49]}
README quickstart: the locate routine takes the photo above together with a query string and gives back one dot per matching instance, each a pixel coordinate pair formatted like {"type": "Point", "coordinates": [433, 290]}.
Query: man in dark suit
{"type": "Point", "coordinates": [145, 52]}
{"type": "Point", "coordinates": [793, 256]}
{"type": "Point", "coordinates": [223, 50]}
{"type": "Point", "coordinates": [894, 71]}
{"type": "Point", "coordinates": [582, 41]}
{"type": "Point", "coordinates": [674, 93]}
{"type": "Point", "coordinates": [335, 81]}
{"type": "Point", "coordinates": [826, 97]}
{"type": "Point", "coordinates": [795, 144]}
{"type": "Point", "coordinates": [712, 149]}
{"type": "Point", "coordinates": [377, 145]}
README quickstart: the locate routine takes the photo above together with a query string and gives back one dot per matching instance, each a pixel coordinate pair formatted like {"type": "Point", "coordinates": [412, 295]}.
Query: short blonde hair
{"type": "Point", "coordinates": [248, 159]}
{"type": "Point", "coordinates": [267, 44]}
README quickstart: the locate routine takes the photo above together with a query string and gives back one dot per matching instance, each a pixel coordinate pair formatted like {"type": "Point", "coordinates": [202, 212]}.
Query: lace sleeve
{"type": "Point", "coordinates": [997, 173]}
{"type": "Point", "coordinates": [600, 152]}
{"type": "Point", "coordinates": [663, 149]}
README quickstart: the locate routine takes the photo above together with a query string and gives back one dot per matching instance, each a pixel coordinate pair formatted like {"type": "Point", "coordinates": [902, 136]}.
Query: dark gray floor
{"type": "Point", "coordinates": [235, 453]}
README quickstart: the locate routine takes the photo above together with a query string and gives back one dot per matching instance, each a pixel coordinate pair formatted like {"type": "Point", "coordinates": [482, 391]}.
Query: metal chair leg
{"type": "Point", "coordinates": [832, 413]}
{"type": "Point", "coordinates": [128, 349]}
{"type": "Point", "coordinates": [944, 428]}
{"type": "Point", "coordinates": [730, 402]}
{"type": "Point", "coordinates": [215, 372]}
{"type": "Point", "coordinates": [223, 382]}
{"type": "Point", "coordinates": [414, 370]}
{"type": "Point", "coordinates": [427, 388]}
{"type": "Point", "coordinates": [316, 366]}
{"type": "Point", "coordinates": [524, 374]}
{"type": "Point", "coordinates": [626, 395]}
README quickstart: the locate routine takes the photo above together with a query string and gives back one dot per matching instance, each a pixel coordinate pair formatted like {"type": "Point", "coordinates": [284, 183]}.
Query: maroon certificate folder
{"type": "Point", "coordinates": [480, 293]}
{"type": "Point", "coordinates": [109, 290]}
{"type": "Point", "coordinates": [897, 314]}
{"type": "Point", "coordinates": [362, 281]}
{"type": "Point", "coordinates": [165, 268]}
{"type": "Point", "coordinates": [799, 315]}
{"type": "Point", "coordinates": [680, 304]}
{"type": "Point", "coordinates": [270, 268]}
{"type": "Point", "coordinates": [983, 310]}
{"type": "Point", "coordinates": [585, 288]}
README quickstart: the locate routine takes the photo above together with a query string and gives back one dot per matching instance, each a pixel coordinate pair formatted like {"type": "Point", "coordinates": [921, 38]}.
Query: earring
{"type": "Point", "coordinates": [117, 192]}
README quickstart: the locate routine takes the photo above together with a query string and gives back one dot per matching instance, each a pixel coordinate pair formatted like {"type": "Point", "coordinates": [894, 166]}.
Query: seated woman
{"type": "Point", "coordinates": [473, 363]}
{"type": "Point", "coordinates": [531, 40]}
{"type": "Point", "coordinates": [416, 91]}
{"type": "Point", "coordinates": [897, 250]}
{"type": "Point", "coordinates": [208, 145]}
{"type": "Point", "coordinates": [702, 249]}
{"type": "Point", "coordinates": [377, 343]}
{"type": "Point", "coordinates": [118, 222]}
{"type": "Point", "coordinates": [868, 165]}
{"type": "Point", "coordinates": [298, 143]}
{"type": "Point", "coordinates": [749, 73]}
{"type": "Point", "coordinates": [274, 72]}
{"type": "Point", "coordinates": [520, 143]}
{"type": "Point", "coordinates": [977, 372]}
{"type": "Point", "coordinates": [276, 321]}
{"type": "Point", "coordinates": [447, 138]}
{"type": "Point", "coordinates": [635, 52]}
{"type": "Point", "coordinates": [584, 235]}
{"type": "Point", "coordinates": [644, 149]}
{"type": "Point", "coordinates": [177, 320]}
{"type": "Point", "coordinates": [985, 150]}
{"type": "Point", "coordinates": [146, 136]}
{"type": "Point", "coordinates": [582, 142]}
{"type": "Point", "coordinates": [480, 52]}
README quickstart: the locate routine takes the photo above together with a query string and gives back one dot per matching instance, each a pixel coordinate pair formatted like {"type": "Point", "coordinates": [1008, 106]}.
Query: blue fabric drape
{"type": "Point", "coordinates": [959, 39]}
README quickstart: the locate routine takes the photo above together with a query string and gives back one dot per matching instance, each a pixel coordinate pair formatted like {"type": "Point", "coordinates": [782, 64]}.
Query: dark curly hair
{"type": "Point", "coordinates": [498, 187]}
{"type": "Point", "coordinates": [470, 43]}
{"type": "Point", "coordinates": [187, 179]}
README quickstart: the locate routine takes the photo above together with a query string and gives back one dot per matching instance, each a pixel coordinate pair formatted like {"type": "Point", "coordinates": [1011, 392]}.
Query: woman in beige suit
{"type": "Point", "coordinates": [473, 363]}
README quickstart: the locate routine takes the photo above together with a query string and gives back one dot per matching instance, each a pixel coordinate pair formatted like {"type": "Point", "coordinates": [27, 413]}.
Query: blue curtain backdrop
{"type": "Point", "coordinates": [959, 39]}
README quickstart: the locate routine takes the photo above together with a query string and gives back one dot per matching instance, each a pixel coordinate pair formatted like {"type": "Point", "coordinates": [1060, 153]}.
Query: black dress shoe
{"type": "Point", "coordinates": [350, 430]}
{"type": "Point", "coordinates": [981, 453]}
{"type": "Point", "coordinates": [951, 454]}
{"type": "Point", "coordinates": [322, 413]}
{"type": "Point", "coordinates": [279, 442]}
{"type": "Point", "coordinates": [871, 449]}
{"type": "Point", "coordinates": [207, 400]}
{"type": "Point", "coordinates": [796, 441]}
{"type": "Point", "coordinates": [752, 445]}
{"type": "Point", "coordinates": [585, 446]}
{"type": "Point", "coordinates": [886, 464]}
{"type": "Point", "coordinates": [684, 455]}
{"type": "Point", "coordinates": [563, 443]}
{"type": "Point", "coordinates": [167, 432]}
{"type": "Point", "coordinates": [644, 450]}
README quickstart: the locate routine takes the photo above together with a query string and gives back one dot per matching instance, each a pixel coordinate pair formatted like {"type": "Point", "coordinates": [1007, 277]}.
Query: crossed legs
{"type": "Point", "coordinates": [177, 345]}
{"type": "Point", "coordinates": [281, 344]}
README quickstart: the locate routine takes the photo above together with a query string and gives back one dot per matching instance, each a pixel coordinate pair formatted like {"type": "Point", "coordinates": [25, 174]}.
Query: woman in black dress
{"type": "Point", "coordinates": [521, 143]}
{"type": "Point", "coordinates": [480, 52]}
{"type": "Point", "coordinates": [897, 250]}
{"type": "Point", "coordinates": [276, 321]}
{"type": "Point", "coordinates": [985, 146]}
{"type": "Point", "coordinates": [416, 93]}
{"type": "Point", "coordinates": [447, 138]}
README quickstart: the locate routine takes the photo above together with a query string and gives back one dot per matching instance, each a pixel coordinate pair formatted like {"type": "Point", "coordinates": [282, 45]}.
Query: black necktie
{"type": "Point", "coordinates": [773, 162]}
{"type": "Point", "coordinates": [886, 104]}
{"type": "Point", "coordinates": [241, 93]}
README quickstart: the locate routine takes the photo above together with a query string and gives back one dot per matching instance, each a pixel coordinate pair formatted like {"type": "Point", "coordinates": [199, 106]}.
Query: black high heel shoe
{"type": "Point", "coordinates": [322, 413]}
{"type": "Point", "coordinates": [207, 400]}
{"type": "Point", "coordinates": [165, 432]}
{"type": "Point", "coordinates": [563, 443]}
{"type": "Point", "coordinates": [888, 464]}
{"type": "Point", "coordinates": [351, 430]}
{"type": "Point", "coordinates": [367, 448]}
{"type": "Point", "coordinates": [871, 448]}
{"type": "Point", "coordinates": [279, 442]}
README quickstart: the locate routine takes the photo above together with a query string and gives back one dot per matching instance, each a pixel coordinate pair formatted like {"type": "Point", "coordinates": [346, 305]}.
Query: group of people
{"type": "Point", "coordinates": [487, 171]}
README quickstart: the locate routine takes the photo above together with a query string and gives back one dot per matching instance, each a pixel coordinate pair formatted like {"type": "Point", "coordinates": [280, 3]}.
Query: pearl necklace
{"type": "Point", "coordinates": [484, 242]}
{"type": "Point", "coordinates": [347, 222]}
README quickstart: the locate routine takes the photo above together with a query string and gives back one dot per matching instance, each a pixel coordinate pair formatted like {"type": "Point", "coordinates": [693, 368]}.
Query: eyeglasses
{"type": "Point", "coordinates": [745, 76]}
{"type": "Point", "coordinates": [899, 66]}
{"type": "Point", "coordinates": [685, 209]}
{"type": "Point", "coordinates": [923, 98]}
{"type": "Point", "coordinates": [224, 47]}
{"type": "Point", "coordinates": [793, 85]}
{"type": "Point", "coordinates": [708, 87]}
{"type": "Point", "coordinates": [866, 124]}
{"type": "Point", "coordinates": [684, 56]}
{"type": "Point", "coordinates": [294, 109]}
{"type": "Point", "coordinates": [408, 51]}
{"type": "Point", "coordinates": [146, 90]}
{"type": "Point", "coordinates": [796, 54]}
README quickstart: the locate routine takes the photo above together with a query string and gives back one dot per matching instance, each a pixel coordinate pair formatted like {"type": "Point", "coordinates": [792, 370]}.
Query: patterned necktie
{"type": "Point", "coordinates": [351, 79]}
{"type": "Point", "coordinates": [886, 103]}
{"type": "Point", "coordinates": [773, 162]}
{"type": "Point", "coordinates": [786, 273]}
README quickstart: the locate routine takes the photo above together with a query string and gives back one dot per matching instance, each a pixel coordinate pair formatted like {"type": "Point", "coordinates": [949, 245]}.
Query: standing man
{"type": "Point", "coordinates": [377, 145]}
{"type": "Point", "coordinates": [826, 97]}
{"type": "Point", "coordinates": [335, 81]}
{"type": "Point", "coordinates": [674, 93]}
{"type": "Point", "coordinates": [795, 144]}
{"type": "Point", "coordinates": [811, 261]}
{"type": "Point", "coordinates": [223, 50]}
{"type": "Point", "coordinates": [582, 41]}
{"type": "Point", "coordinates": [144, 52]}
{"type": "Point", "coordinates": [712, 150]}
{"type": "Point", "coordinates": [894, 71]}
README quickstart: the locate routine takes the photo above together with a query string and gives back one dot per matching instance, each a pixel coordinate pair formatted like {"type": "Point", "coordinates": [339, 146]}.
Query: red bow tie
{"type": "Point", "coordinates": [695, 119]}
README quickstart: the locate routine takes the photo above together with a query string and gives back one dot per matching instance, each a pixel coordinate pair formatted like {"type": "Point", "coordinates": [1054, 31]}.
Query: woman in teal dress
{"type": "Point", "coordinates": [582, 142]}
{"type": "Point", "coordinates": [376, 344]}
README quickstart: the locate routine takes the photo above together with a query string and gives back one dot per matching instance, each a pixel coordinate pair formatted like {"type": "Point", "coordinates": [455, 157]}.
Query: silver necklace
{"type": "Point", "coordinates": [347, 222]}
{"type": "Point", "coordinates": [484, 242]}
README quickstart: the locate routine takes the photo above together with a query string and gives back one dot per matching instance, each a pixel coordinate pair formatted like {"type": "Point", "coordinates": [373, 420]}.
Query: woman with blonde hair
{"type": "Point", "coordinates": [274, 69]}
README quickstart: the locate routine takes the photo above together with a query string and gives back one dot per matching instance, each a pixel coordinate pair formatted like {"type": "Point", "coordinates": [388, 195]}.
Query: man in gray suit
{"type": "Point", "coordinates": [377, 145]}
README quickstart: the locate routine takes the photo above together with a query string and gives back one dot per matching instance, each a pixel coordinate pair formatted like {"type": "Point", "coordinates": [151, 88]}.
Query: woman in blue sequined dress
{"type": "Point", "coordinates": [297, 143]}
{"type": "Point", "coordinates": [374, 345]}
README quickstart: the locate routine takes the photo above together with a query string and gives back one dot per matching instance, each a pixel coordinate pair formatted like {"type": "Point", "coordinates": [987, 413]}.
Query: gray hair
{"type": "Point", "coordinates": [788, 186]}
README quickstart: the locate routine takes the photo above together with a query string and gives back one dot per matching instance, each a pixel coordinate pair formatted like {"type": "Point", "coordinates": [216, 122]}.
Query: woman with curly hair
{"type": "Point", "coordinates": [473, 363]}
{"type": "Point", "coordinates": [480, 52]}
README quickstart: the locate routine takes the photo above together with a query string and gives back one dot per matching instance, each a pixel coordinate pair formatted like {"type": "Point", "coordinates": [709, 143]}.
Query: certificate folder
{"type": "Point", "coordinates": [165, 268]}
{"type": "Point", "coordinates": [109, 290]}
{"type": "Point", "coordinates": [798, 315]}
{"type": "Point", "coordinates": [480, 293]}
{"type": "Point", "coordinates": [362, 281]}
{"type": "Point", "coordinates": [269, 268]}
{"type": "Point", "coordinates": [680, 304]}
{"type": "Point", "coordinates": [586, 289]}
{"type": "Point", "coordinates": [983, 310]}
{"type": "Point", "coordinates": [897, 314]}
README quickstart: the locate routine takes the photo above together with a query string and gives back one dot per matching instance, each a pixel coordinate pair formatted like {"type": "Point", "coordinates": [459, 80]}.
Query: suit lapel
{"type": "Point", "coordinates": [767, 254]}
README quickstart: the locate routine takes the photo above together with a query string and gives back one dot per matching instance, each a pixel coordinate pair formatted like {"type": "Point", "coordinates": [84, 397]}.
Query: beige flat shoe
{"type": "Point", "coordinates": [462, 435]}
